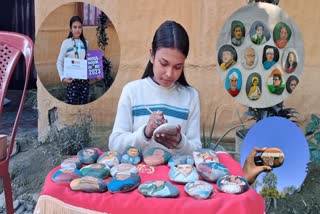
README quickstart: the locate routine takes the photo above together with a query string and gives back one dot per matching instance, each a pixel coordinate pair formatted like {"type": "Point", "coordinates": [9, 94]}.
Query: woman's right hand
{"type": "Point", "coordinates": [67, 80]}
{"type": "Point", "coordinates": [155, 120]}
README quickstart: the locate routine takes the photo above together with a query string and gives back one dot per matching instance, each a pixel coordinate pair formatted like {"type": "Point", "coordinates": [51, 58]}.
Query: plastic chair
{"type": "Point", "coordinates": [12, 45]}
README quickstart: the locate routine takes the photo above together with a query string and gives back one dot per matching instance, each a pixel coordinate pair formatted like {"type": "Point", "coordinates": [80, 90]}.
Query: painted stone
{"type": "Point", "coordinates": [124, 182]}
{"type": "Point", "coordinates": [292, 83]}
{"type": "Point", "coordinates": [212, 171]}
{"type": "Point", "coordinates": [88, 155]}
{"type": "Point", "coordinates": [227, 57]}
{"type": "Point", "coordinates": [166, 128]}
{"type": "Point", "coordinates": [250, 58]}
{"type": "Point", "coordinates": [233, 184]}
{"type": "Point", "coordinates": [88, 184]}
{"type": "Point", "coordinates": [72, 162]}
{"type": "Point", "coordinates": [238, 32]}
{"type": "Point", "coordinates": [132, 155]}
{"type": "Point", "coordinates": [123, 167]}
{"type": "Point", "coordinates": [272, 157]}
{"type": "Point", "coordinates": [156, 156]}
{"type": "Point", "coordinates": [233, 82]}
{"type": "Point", "coordinates": [270, 56]}
{"type": "Point", "coordinates": [109, 158]}
{"type": "Point", "coordinates": [253, 86]}
{"type": "Point", "coordinates": [276, 82]}
{"type": "Point", "coordinates": [98, 170]}
{"type": "Point", "coordinates": [281, 34]}
{"type": "Point", "coordinates": [158, 189]}
{"type": "Point", "coordinates": [180, 159]}
{"type": "Point", "coordinates": [183, 173]}
{"type": "Point", "coordinates": [289, 60]}
{"type": "Point", "coordinates": [199, 189]}
{"type": "Point", "coordinates": [66, 175]}
{"type": "Point", "coordinates": [205, 156]}
{"type": "Point", "coordinates": [259, 33]}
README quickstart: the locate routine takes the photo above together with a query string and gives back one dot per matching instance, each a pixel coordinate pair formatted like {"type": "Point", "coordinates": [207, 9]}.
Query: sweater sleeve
{"type": "Point", "coordinates": [60, 60]}
{"type": "Point", "coordinates": [191, 140]}
{"type": "Point", "coordinates": [122, 134]}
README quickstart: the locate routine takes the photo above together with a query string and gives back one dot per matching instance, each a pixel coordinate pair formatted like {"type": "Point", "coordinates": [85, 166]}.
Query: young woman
{"type": "Point", "coordinates": [75, 46]}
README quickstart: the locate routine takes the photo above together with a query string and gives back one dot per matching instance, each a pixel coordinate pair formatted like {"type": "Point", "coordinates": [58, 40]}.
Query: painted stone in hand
{"type": "Point", "coordinates": [72, 162]}
{"type": "Point", "coordinates": [272, 157]}
{"type": "Point", "coordinates": [124, 182]}
{"type": "Point", "coordinates": [183, 173]}
{"type": "Point", "coordinates": [156, 156]}
{"type": "Point", "coordinates": [205, 156]}
{"type": "Point", "coordinates": [180, 159]}
{"type": "Point", "coordinates": [132, 155]}
{"type": "Point", "coordinates": [166, 128]}
{"type": "Point", "coordinates": [158, 189]}
{"type": "Point", "coordinates": [109, 158]}
{"type": "Point", "coordinates": [199, 189]}
{"type": "Point", "coordinates": [233, 184]}
{"type": "Point", "coordinates": [88, 184]}
{"type": "Point", "coordinates": [88, 155]}
{"type": "Point", "coordinates": [124, 167]}
{"type": "Point", "coordinates": [212, 171]}
{"type": "Point", "coordinates": [66, 175]}
{"type": "Point", "coordinates": [98, 170]}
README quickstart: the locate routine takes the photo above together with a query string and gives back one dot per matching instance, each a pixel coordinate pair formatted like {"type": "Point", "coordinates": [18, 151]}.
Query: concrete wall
{"type": "Point", "coordinates": [135, 23]}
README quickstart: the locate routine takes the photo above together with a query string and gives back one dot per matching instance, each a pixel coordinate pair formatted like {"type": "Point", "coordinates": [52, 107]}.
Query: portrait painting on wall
{"type": "Point", "coordinates": [281, 34]}
{"type": "Point", "coordinates": [292, 83]}
{"type": "Point", "coordinates": [250, 58]}
{"type": "Point", "coordinates": [276, 82]}
{"type": "Point", "coordinates": [227, 57]}
{"type": "Point", "coordinates": [233, 82]}
{"type": "Point", "coordinates": [289, 60]}
{"type": "Point", "coordinates": [238, 33]}
{"type": "Point", "coordinates": [270, 56]}
{"type": "Point", "coordinates": [253, 86]}
{"type": "Point", "coordinates": [259, 33]}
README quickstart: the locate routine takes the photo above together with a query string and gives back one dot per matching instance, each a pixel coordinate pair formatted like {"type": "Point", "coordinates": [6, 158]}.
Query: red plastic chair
{"type": "Point", "coordinates": [12, 45]}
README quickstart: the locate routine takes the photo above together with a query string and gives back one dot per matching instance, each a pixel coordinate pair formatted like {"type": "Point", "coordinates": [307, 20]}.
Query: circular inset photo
{"type": "Point", "coordinates": [77, 53]}
{"type": "Point", "coordinates": [276, 82]}
{"type": "Point", "coordinates": [238, 32]}
{"type": "Point", "coordinates": [287, 155]}
{"type": "Point", "coordinates": [227, 57]}
{"type": "Point", "coordinates": [250, 58]}
{"type": "Point", "coordinates": [253, 86]}
{"type": "Point", "coordinates": [270, 56]}
{"type": "Point", "coordinates": [259, 33]}
{"type": "Point", "coordinates": [289, 60]}
{"type": "Point", "coordinates": [292, 83]}
{"type": "Point", "coordinates": [281, 34]}
{"type": "Point", "coordinates": [233, 82]}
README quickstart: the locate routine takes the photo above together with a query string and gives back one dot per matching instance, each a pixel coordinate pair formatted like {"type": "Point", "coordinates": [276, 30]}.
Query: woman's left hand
{"type": "Point", "coordinates": [169, 141]}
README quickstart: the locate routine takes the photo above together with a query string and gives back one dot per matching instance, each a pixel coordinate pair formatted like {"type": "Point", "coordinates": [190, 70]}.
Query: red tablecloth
{"type": "Point", "coordinates": [134, 202]}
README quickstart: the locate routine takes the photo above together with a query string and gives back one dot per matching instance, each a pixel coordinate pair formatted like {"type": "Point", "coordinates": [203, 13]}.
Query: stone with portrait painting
{"type": "Point", "coordinates": [281, 34]}
{"type": "Point", "coordinates": [98, 170]}
{"type": "Point", "coordinates": [183, 173]}
{"type": "Point", "coordinates": [88, 155]}
{"type": "Point", "coordinates": [158, 189]}
{"type": "Point", "coordinates": [253, 86]}
{"type": "Point", "coordinates": [270, 56]}
{"type": "Point", "coordinates": [199, 189]}
{"type": "Point", "coordinates": [156, 156]}
{"type": "Point", "coordinates": [292, 83]}
{"type": "Point", "coordinates": [66, 175]}
{"type": "Point", "coordinates": [289, 60]}
{"type": "Point", "coordinates": [238, 32]}
{"type": "Point", "coordinates": [205, 156]}
{"type": "Point", "coordinates": [123, 168]}
{"type": "Point", "coordinates": [109, 158]}
{"type": "Point", "coordinates": [212, 171]}
{"type": "Point", "coordinates": [227, 57]}
{"type": "Point", "coordinates": [88, 184]}
{"type": "Point", "coordinates": [249, 58]}
{"type": "Point", "coordinates": [233, 184]}
{"type": "Point", "coordinates": [124, 182]}
{"type": "Point", "coordinates": [259, 33]}
{"type": "Point", "coordinates": [276, 82]}
{"type": "Point", "coordinates": [180, 159]}
{"type": "Point", "coordinates": [71, 162]}
{"type": "Point", "coordinates": [233, 82]}
{"type": "Point", "coordinates": [132, 155]}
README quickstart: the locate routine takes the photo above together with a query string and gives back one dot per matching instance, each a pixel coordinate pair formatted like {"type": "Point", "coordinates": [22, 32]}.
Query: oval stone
{"type": "Point", "coordinates": [132, 155]}
{"type": "Point", "coordinates": [205, 156]}
{"type": "Point", "coordinates": [88, 155]}
{"type": "Point", "coordinates": [88, 184]}
{"type": "Point", "coordinates": [98, 170]}
{"type": "Point", "coordinates": [212, 171]}
{"type": "Point", "coordinates": [180, 159]}
{"type": "Point", "coordinates": [272, 157]}
{"type": "Point", "coordinates": [66, 175]}
{"type": "Point", "coordinates": [124, 182]}
{"type": "Point", "coordinates": [156, 156]}
{"type": "Point", "coordinates": [183, 173]}
{"type": "Point", "coordinates": [199, 189]}
{"type": "Point", "coordinates": [124, 167]}
{"type": "Point", "coordinates": [158, 189]}
{"type": "Point", "coordinates": [72, 162]}
{"type": "Point", "coordinates": [233, 184]}
{"type": "Point", "coordinates": [109, 158]}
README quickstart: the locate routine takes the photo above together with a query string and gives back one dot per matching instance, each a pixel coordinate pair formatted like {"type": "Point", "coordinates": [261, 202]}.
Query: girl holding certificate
{"type": "Point", "coordinates": [75, 46]}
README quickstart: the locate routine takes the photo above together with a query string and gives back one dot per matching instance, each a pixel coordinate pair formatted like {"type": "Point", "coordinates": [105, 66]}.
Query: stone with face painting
{"type": "Point", "coordinates": [272, 157]}
{"type": "Point", "coordinates": [88, 155]}
{"type": "Point", "coordinates": [180, 159]}
{"type": "Point", "coordinates": [123, 167]}
{"type": "Point", "coordinates": [124, 182]}
{"type": "Point", "coordinates": [199, 189]}
{"type": "Point", "coordinates": [98, 170]}
{"type": "Point", "coordinates": [109, 158]}
{"type": "Point", "coordinates": [158, 189]}
{"type": "Point", "coordinates": [183, 173]}
{"type": "Point", "coordinates": [88, 184]}
{"type": "Point", "coordinates": [205, 156]}
{"type": "Point", "coordinates": [66, 175]}
{"type": "Point", "coordinates": [72, 162]}
{"type": "Point", "coordinates": [156, 156]}
{"type": "Point", "coordinates": [132, 155]}
{"type": "Point", "coordinates": [232, 184]}
{"type": "Point", "coordinates": [212, 171]}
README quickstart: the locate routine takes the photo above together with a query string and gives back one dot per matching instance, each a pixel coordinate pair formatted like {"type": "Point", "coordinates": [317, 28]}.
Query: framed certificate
{"type": "Point", "coordinates": [75, 68]}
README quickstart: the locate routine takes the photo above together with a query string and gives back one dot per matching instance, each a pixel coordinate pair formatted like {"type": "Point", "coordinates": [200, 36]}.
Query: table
{"type": "Point", "coordinates": [59, 198]}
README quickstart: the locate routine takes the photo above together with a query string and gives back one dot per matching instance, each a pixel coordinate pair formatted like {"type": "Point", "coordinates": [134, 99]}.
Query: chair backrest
{"type": "Point", "coordinates": [12, 45]}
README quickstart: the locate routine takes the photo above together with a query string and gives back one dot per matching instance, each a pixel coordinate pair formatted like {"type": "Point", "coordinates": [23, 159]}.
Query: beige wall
{"type": "Point", "coordinates": [135, 23]}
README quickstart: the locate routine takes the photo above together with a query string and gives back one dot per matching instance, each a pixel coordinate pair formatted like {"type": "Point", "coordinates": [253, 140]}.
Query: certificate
{"type": "Point", "coordinates": [75, 68]}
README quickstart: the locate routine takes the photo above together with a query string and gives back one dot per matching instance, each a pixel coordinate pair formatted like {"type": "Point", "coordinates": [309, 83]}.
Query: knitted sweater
{"type": "Point", "coordinates": [179, 104]}
{"type": "Point", "coordinates": [67, 50]}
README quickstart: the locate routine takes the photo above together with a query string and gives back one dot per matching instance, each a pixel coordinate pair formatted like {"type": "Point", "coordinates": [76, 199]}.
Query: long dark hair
{"type": "Point", "coordinates": [294, 64]}
{"type": "Point", "coordinates": [169, 35]}
{"type": "Point", "coordinates": [78, 19]}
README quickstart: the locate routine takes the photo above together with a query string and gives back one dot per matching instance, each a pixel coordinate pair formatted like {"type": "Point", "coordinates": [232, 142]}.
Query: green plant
{"type": "Point", "coordinates": [313, 137]}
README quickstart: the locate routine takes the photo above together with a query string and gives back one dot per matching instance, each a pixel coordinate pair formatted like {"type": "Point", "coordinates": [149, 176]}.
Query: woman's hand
{"type": "Point", "coordinates": [250, 169]}
{"type": "Point", "coordinates": [155, 120]}
{"type": "Point", "coordinates": [169, 141]}
{"type": "Point", "coordinates": [67, 80]}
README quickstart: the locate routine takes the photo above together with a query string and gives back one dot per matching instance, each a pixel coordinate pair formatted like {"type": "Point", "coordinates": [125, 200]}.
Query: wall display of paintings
{"type": "Point", "coordinates": [260, 55]}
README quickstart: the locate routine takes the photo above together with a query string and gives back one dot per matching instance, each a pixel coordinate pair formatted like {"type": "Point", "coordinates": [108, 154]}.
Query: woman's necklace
{"type": "Point", "coordinates": [75, 48]}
